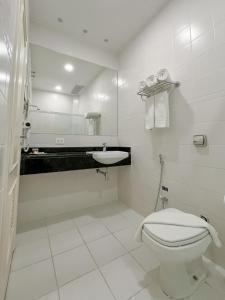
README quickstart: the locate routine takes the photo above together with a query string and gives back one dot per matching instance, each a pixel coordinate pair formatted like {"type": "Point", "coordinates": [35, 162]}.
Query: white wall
{"type": "Point", "coordinates": [101, 96]}
{"type": "Point", "coordinates": [46, 121]}
{"type": "Point", "coordinates": [188, 38]}
{"type": "Point", "coordinates": [52, 194]}
{"type": "Point", "coordinates": [50, 39]}
{"type": "Point", "coordinates": [52, 101]}
{"type": "Point", "coordinates": [49, 140]}
{"type": "Point", "coordinates": [47, 127]}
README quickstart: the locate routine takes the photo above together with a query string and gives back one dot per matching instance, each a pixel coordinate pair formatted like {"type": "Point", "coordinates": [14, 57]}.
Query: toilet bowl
{"type": "Point", "coordinates": [179, 250]}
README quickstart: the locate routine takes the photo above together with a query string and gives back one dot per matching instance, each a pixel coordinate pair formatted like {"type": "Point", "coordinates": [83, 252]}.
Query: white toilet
{"type": "Point", "coordinates": [179, 251]}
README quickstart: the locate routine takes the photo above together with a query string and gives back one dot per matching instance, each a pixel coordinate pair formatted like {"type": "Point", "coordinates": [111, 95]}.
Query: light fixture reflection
{"type": "Point", "coordinates": [4, 77]}
{"type": "Point", "coordinates": [69, 67]}
{"type": "Point", "coordinates": [3, 50]}
{"type": "Point", "coordinates": [101, 97]}
{"type": "Point", "coordinates": [58, 88]}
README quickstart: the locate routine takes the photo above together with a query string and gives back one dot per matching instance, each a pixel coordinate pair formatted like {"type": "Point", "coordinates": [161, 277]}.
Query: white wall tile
{"type": "Point", "coordinates": [45, 195]}
{"type": "Point", "coordinates": [195, 177]}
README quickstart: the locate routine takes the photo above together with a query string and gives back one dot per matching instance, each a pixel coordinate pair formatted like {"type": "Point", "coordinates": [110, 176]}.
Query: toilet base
{"type": "Point", "coordinates": [178, 281]}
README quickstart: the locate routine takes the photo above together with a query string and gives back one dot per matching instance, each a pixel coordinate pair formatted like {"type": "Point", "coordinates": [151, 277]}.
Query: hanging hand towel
{"type": "Point", "coordinates": [91, 126]}
{"type": "Point", "coordinates": [162, 110]}
{"type": "Point", "coordinates": [150, 113]}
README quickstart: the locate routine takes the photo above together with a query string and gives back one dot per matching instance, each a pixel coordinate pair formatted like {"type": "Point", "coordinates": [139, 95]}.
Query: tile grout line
{"type": "Point", "coordinates": [70, 249]}
{"type": "Point", "coordinates": [127, 252]}
{"type": "Point", "coordinates": [98, 267]}
{"type": "Point", "coordinates": [53, 264]}
{"type": "Point", "coordinates": [85, 243]}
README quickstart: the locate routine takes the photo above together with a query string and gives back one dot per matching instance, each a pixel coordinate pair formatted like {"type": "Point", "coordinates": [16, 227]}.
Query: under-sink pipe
{"type": "Point", "coordinates": [161, 160]}
{"type": "Point", "coordinates": [104, 173]}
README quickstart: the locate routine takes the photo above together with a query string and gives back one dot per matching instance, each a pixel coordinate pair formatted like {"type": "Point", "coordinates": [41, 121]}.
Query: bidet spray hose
{"type": "Point", "coordinates": [160, 180]}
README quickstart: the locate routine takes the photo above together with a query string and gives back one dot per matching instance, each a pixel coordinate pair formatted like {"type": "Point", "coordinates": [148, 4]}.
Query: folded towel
{"type": "Point", "coordinates": [150, 113]}
{"type": "Point", "coordinates": [91, 127]}
{"type": "Point", "coordinates": [162, 75]}
{"type": "Point", "coordinates": [162, 110]}
{"type": "Point", "coordinates": [142, 85]}
{"type": "Point", "coordinates": [151, 80]}
{"type": "Point", "coordinates": [178, 218]}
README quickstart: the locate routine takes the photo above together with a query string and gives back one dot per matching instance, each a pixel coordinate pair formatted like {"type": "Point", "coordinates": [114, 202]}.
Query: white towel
{"type": "Point", "coordinates": [150, 113]}
{"type": "Point", "coordinates": [162, 110]}
{"type": "Point", "coordinates": [178, 218]}
{"type": "Point", "coordinates": [91, 126]}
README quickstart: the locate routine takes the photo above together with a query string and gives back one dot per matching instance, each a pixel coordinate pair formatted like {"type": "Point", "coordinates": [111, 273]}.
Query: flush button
{"type": "Point", "coordinates": [200, 140]}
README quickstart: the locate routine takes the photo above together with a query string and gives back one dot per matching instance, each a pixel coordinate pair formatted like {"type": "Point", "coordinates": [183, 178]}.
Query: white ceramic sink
{"type": "Point", "coordinates": [109, 157]}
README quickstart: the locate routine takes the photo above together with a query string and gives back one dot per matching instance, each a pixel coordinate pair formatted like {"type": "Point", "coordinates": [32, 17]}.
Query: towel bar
{"type": "Point", "coordinates": [157, 88]}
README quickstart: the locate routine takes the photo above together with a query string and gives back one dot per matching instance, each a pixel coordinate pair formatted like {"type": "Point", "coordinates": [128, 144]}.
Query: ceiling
{"type": "Point", "coordinates": [115, 20]}
{"type": "Point", "coordinates": [49, 70]}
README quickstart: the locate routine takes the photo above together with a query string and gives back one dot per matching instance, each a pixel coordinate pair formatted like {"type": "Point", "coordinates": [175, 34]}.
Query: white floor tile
{"type": "Point", "coordinates": [132, 217]}
{"type": "Point", "coordinates": [65, 241]}
{"type": "Point", "coordinates": [125, 274]}
{"type": "Point", "coordinates": [89, 287]}
{"type": "Point", "coordinates": [30, 253]}
{"type": "Point", "coordinates": [106, 249]}
{"type": "Point", "coordinates": [115, 223]}
{"type": "Point", "coordinates": [31, 226]}
{"type": "Point", "coordinates": [31, 236]}
{"type": "Point", "coordinates": [153, 292]}
{"type": "Point", "coordinates": [102, 211]}
{"type": "Point", "coordinates": [125, 277]}
{"type": "Point", "coordinates": [32, 282]}
{"type": "Point", "coordinates": [205, 292]}
{"type": "Point", "coordinates": [60, 227]}
{"type": "Point", "coordinates": [118, 207]}
{"type": "Point", "coordinates": [84, 217]}
{"type": "Point", "coordinates": [72, 264]}
{"type": "Point", "coordinates": [93, 231]}
{"type": "Point", "coordinates": [51, 296]}
{"type": "Point", "coordinates": [145, 258]}
{"type": "Point", "coordinates": [126, 237]}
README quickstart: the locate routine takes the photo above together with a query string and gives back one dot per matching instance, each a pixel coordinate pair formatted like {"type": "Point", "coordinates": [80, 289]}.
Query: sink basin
{"type": "Point", "coordinates": [109, 157]}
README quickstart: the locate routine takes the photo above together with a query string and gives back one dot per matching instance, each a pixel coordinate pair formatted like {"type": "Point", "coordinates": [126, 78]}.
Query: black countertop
{"type": "Point", "coordinates": [59, 159]}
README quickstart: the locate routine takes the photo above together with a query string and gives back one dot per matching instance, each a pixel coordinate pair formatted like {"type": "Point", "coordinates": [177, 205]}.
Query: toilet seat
{"type": "Point", "coordinates": [174, 236]}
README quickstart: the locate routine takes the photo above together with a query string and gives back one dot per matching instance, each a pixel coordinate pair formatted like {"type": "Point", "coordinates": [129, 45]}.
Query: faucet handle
{"type": "Point", "coordinates": [104, 146]}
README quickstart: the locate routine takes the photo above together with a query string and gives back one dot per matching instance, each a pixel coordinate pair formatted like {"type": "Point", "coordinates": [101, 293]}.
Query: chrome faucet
{"type": "Point", "coordinates": [104, 147]}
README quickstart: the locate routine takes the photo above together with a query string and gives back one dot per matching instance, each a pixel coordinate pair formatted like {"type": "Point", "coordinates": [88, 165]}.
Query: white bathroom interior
{"type": "Point", "coordinates": [112, 149]}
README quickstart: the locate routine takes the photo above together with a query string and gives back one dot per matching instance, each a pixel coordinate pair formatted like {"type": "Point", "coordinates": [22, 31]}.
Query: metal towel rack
{"type": "Point", "coordinates": [157, 88]}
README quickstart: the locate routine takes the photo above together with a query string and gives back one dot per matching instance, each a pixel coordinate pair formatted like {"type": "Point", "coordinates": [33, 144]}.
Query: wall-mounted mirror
{"type": "Point", "coordinates": [71, 96]}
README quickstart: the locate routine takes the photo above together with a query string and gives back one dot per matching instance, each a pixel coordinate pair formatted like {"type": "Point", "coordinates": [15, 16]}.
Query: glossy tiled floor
{"type": "Point", "coordinates": [90, 255]}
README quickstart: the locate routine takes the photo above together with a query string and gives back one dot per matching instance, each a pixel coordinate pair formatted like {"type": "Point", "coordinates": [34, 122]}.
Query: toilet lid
{"type": "Point", "coordinates": [173, 235]}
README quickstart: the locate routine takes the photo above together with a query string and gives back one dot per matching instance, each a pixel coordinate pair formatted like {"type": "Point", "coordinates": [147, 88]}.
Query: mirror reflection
{"type": "Point", "coordinates": [71, 96]}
